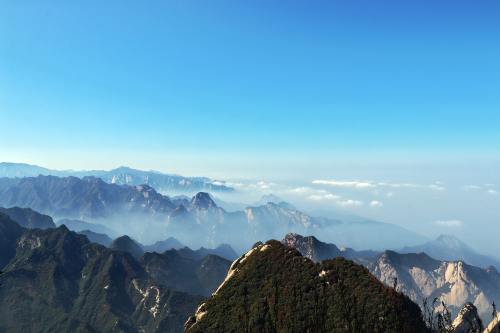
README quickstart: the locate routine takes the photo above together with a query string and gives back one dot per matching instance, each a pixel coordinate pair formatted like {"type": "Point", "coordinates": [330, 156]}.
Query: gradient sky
{"type": "Point", "coordinates": [170, 84]}
{"type": "Point", "coordinates": [248, 80]}
{"type": "Point", "coordinates": [392, 91]}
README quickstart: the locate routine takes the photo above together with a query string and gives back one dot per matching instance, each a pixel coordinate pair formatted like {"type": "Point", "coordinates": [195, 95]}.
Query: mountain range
{"type": "Point", "coordinates": [148, 216]}
{"type": "Point", "coordinates": [455, 282]}
{"type": "Point", "coordinates": [126, 244]}
{"type": "Point", "coordinates": [56, 280]}
{"type": "Point", "coordinates": [166, 183]}
{"type": "Point", "coordinates": [416, 274]}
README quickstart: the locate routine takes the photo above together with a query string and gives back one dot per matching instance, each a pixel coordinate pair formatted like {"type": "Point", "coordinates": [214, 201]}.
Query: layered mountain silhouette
{"type": "Point", "coordinates": [163, 245]}
{"type": "Point", "coordinates": [416, 274]}
{"type": "Point", "coordinates": [29, 218]}
{"type": "Point", "coordinates": [273, 288]}
{"type": "Point", "coordinates": [122, 176]}
{"type": "Point", "coordinates": [186, 270]}
{"type": "Point", "coordinates": [127, 244]}
{"type": "Point", "coordinates": [141, 212]}
{"type": "Point", "coordinates": [98, 238]}
{"type": "Point", "coordinates": [449, 248]}
{"type": "Point", "coordinates": [74, 197]}
{"type": "Point", "coordinates": [79, 225]}
{"type": "Point", "coordinates": [57, 280]}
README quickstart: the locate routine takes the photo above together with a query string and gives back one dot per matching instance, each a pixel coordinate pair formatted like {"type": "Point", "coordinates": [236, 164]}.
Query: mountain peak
{"type": "Point", "coordinates": [311, 247]}
{"type": "Point", "coordinates": [270, 198]}
{"type": "Point", "coordinates": [202, 200]}
{"type": "Point", "coordinates": [450, 241]}
{"type": "Point", "coordinates": [274, 270]}
{"type": "Point", "coordinates": [467, 320]}
{"type": "Point", "coordinates": [127, 244]}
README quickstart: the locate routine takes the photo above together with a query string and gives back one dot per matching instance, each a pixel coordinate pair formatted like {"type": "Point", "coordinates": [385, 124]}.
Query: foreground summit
{"type": "Point", "coordinates": [274, 288]}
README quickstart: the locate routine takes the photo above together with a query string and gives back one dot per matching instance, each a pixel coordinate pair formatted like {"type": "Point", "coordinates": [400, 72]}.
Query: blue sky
{"type": "Point", "coordinates": [171, 84]}
{"type": "Point", "coordinates": [288, 91]}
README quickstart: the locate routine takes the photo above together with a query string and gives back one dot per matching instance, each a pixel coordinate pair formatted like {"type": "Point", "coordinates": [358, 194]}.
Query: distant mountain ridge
{"type": "Point", "coordinates": [449, 248]}
{"type": "Point", "coordinates": [80, 225]}
{"type": "Point", "coordinates": [140, 211]}
{"type": "Point", "coordinates": [123, 176]}
{"type": "Point", "coordinates": [80, 197]}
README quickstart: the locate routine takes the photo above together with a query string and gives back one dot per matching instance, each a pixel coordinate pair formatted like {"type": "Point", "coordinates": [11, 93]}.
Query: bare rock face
{"type": "Point", "coordinates": [467, 320]}
{"type": "Point", "coordinates": [454, 282]}
{"type": "Point", "coordinates": [494, 325]}
{"type": "Point", "coordinates": [311, 247]}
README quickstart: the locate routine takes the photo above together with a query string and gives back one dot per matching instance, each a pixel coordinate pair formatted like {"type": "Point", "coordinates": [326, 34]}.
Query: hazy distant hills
{"type": "Point", "coordinates": [144, 214]}
{"type": "Point", "coordinates": [273, 288]}
{"type": "Point", "coordinates": [79, 225]}
{"type": "Point", "coordinates": [123, 176]}
{"type": "Point", "coordinates": [97, 238]}
{"type": "Point", "coordinates": [87, 197]}
{"type": "Point", "coordinates": [447, 247]}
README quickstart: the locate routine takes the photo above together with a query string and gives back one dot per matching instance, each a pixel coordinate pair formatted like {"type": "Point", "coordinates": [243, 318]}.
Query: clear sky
{"type": "Point", "coordinates": [387, 91]}
{"type": "Point", "coordinates": [170, 84]}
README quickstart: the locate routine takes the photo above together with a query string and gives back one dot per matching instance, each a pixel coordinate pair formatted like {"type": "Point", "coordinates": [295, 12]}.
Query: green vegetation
{"type": "Point", "coordinates": [275, 289]}
{"type": "Point", "coordinates": [60, 282]}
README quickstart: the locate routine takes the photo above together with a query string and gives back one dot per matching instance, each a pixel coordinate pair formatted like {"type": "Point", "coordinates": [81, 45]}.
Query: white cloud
{"type": "Point", "coordinates": [322, 197]}
{"type": "Point", "coordinates": [368, 184]}
{"type": "Point", "coordinates": [262, 185]}
{"type": "Point", "coordinates": [306, 190]}
{"type": "Point", "coordinates": [398, 185]}
{"type": "Point", "coordinates": [376, 203]}
{"type": "Point", "coordinates": [340, 183]}
{"type": "Point", "coordinates": [389, 194]}
{"type": "Point", "coordinates": [436, 187]}
{"type": "Point", "coordinates": [232, 184]}
{"type": "Point", "coordinates": [350, 203]}
{"type": "Point", "coordinates": [473, 187]}
{"type": "Point", "coordinates": [486, 187]}
{"type": "Point", "coordinates": [449, 223]}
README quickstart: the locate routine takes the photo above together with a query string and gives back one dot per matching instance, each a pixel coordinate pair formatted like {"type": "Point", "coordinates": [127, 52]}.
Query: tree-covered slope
{"type": "Point", "coordinates": [274, 289]}
{"type": "Point", "coordinates": [200, 276]}
{"type": "Point", "coordinates": [60, 282]}
{"type": "Point", "coordinates": [10, 231]}
{"type": "Point", "coordinates": [29, 218]}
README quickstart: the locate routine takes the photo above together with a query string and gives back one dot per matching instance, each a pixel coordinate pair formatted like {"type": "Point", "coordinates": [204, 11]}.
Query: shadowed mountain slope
{"type": "Point", "coordinates": [274, 289]}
